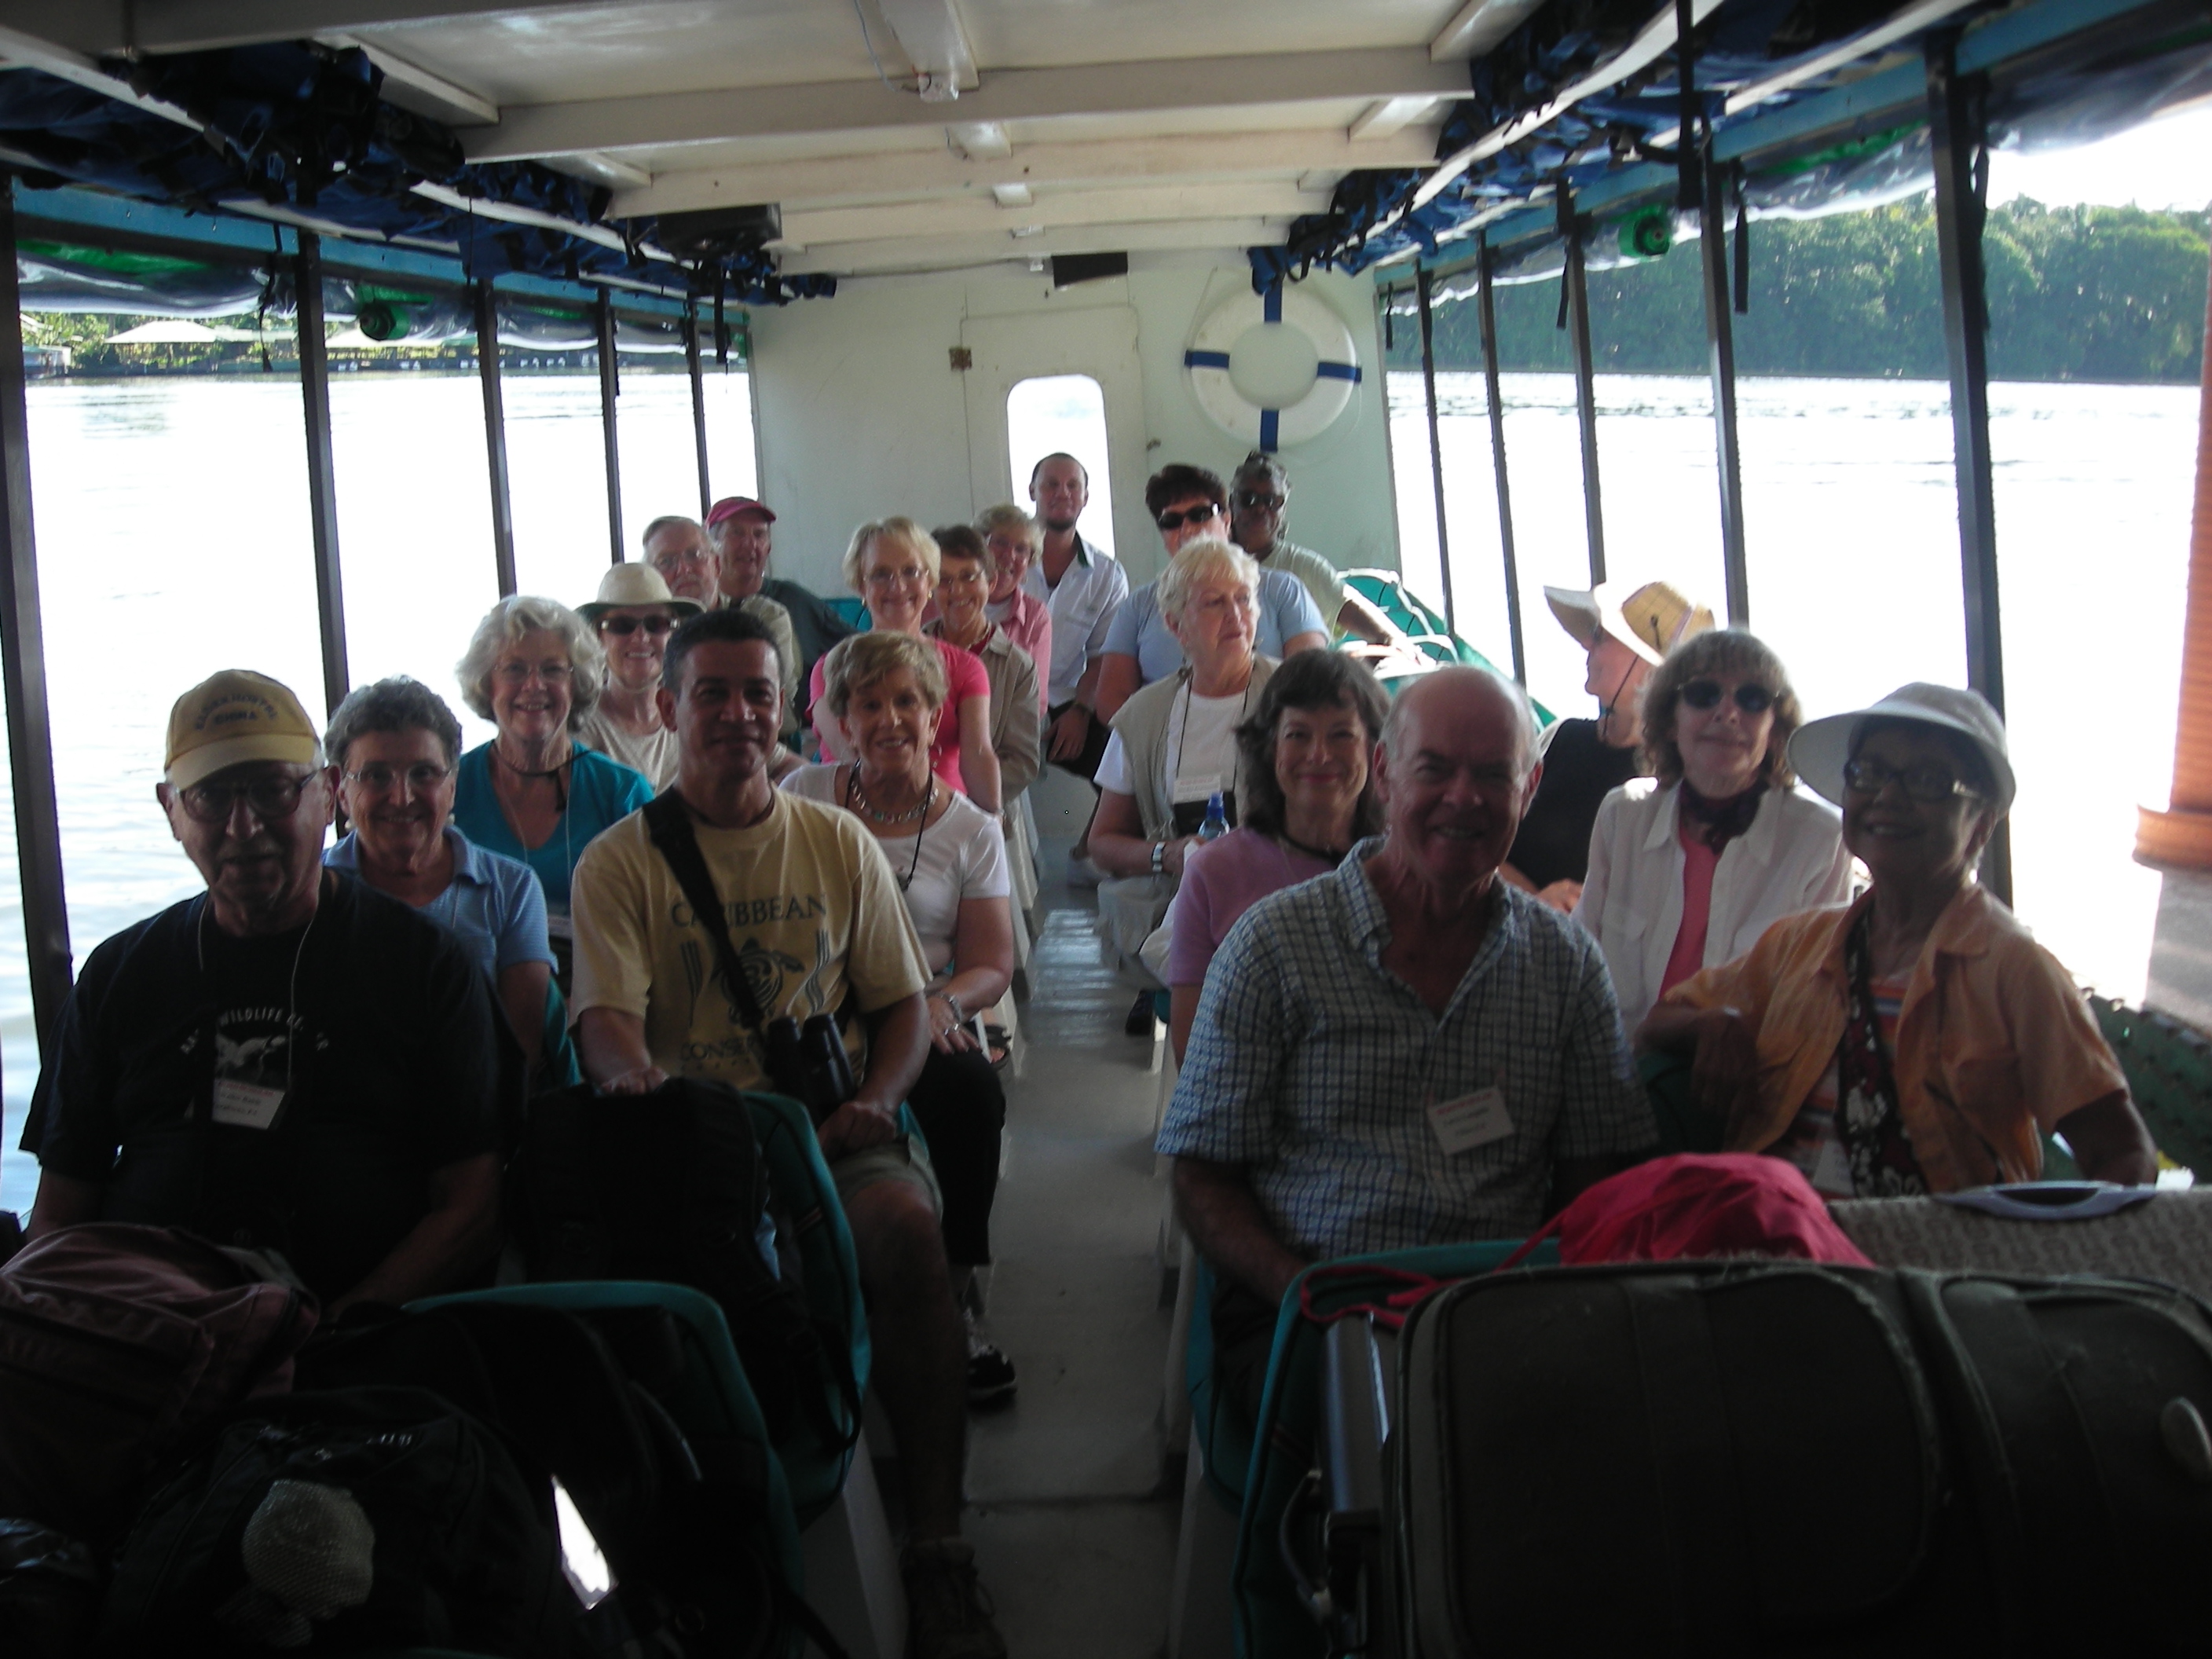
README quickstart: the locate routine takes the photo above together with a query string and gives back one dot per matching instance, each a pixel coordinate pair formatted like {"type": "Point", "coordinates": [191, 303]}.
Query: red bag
{"type": "Point", "coordinates": [1699, 1205]}
{"type": "Point", "coordinates": [114, 1340]}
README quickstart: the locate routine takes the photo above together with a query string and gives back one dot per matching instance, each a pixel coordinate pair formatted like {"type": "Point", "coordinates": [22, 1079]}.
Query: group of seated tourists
{"type": "Point", "coordinates": [1406, 986]}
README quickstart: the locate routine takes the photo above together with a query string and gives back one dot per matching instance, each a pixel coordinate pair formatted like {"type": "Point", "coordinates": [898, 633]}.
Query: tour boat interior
{"type": "Point", "coordinates": [894, 214]}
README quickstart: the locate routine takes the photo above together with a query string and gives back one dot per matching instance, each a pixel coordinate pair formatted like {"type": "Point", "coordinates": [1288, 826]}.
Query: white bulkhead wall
{"type": "Point", "coordinates": [859, 413]}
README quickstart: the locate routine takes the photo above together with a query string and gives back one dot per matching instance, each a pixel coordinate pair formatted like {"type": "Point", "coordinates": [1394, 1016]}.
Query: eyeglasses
{"type": "Point", "coordinates": [1931, 785]}
{"type": "Point", "coordinates": [421, 778]}
{"type": "Point", "coordinates": [905, 573]}
{"type": "Point", "coordinates": [270, 797]}
{"type": "Point", "coordinates": [626, 626]}
{"type": "Point", "coordinates": [1751, 697]}
{"type": "Point", "coordinates": [1252, 501]}
{"type": "Point", "coordinates": [519, 673]}
{"type": "Point", "coordinates": [1171, 522]}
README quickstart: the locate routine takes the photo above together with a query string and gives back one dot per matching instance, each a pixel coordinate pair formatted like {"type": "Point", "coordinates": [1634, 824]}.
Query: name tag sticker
{"type": "Point", "coordinates": [1471, 1121]}
{"type": "Point", "coordinates": [1198, 785]}
{"type": "Point", "coordinates": [247, 1105]}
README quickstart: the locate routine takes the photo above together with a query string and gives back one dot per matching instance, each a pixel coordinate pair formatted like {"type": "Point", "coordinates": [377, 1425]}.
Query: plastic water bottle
{"type": "Point", "coordinates": [1217, 819]}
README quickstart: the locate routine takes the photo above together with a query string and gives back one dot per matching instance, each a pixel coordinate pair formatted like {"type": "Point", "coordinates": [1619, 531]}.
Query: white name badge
{"type": "Point", "coordinates": [1197, 787]}
{"type": "Point", "coordinates": [247, 1105]}
{"type": "Point", "coordinates": [1472, 1120]}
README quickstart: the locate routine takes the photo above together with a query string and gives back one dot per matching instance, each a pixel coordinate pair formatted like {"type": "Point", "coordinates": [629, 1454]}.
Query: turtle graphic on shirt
{"type": "Point", "coordinates": [763, 970]}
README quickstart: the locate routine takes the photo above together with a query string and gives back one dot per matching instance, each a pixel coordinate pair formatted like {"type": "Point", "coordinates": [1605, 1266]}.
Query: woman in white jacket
{"type": "Point", "coordinates": [1688, 867]}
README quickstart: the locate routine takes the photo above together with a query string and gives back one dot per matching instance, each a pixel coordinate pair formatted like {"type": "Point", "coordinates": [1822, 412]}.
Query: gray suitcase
{"type": "Point", "coordinates": [1772, 1458]}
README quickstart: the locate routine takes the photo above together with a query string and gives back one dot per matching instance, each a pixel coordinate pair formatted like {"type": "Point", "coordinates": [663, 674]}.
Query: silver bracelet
{"type": "Point", "coordinates": [959, 1013]}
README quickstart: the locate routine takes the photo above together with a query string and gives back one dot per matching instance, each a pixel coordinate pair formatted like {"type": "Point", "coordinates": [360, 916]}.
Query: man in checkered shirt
{"type": "Point", "coordinates": [1409, 1051]}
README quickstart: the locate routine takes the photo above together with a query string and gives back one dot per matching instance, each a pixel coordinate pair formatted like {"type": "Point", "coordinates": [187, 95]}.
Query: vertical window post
{"type": "Point", "coordinates": [610, 389]}
{"type": "Point", "coordinates": [1487, 300]}
{"type": "Point", "coordinates": [1959, 125]}
{"type": "Point", "coordinates": [1720, 360]}
{"type": "Point", "coordinates": [1435, 440]}
{"type": "Point", "coordinates": [1585, 380]}
{"type": "Point", "coordinates": [322, 469]}
{"type": "Point", "coordinates": [698, 404]}
{"type": "Point", "coordinates": [23, 669]}
{"type": "Point", "coordinates": [494, 403]}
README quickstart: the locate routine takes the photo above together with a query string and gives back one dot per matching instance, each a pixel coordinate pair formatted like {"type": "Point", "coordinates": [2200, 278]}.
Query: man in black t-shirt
{"type": "Point", "coordinates": [290, 1062]}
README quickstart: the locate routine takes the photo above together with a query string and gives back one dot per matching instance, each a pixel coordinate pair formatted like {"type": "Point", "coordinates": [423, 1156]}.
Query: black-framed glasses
{"type": "Point", "coordinates": [625, 626]}
{"type": "Point", "coordinates": [271, 797]}
{"type": "Point", "coordinates": [1253, 500]}
{"type": "Point", "coordinates": [1750, 696]}
{"type": "Point", "coordinates": [422, 777]}
{"type": "Point", "coordinates": [1171, 521]}
{"type": "Point", "coordinates": [1930, 785]}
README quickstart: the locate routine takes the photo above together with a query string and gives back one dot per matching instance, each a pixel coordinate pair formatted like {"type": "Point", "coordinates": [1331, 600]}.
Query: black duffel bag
{"type": "Point", "coordinates": [1771, 1458]}
{"type": "Point", "coordinates": [671, 1186]}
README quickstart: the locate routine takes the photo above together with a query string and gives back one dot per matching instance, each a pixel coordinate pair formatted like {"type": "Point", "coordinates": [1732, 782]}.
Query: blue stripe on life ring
{"type": "Point", "coordinates": [1213, 360]}
{"type": "Point", "coordinates": [1268, 428]}
{"type": "Point", "coordinates": [1333, 372]}
{"type": "Point", "coordinates": [1271, 305]}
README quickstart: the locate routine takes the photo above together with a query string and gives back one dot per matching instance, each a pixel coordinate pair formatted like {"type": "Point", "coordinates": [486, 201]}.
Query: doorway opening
{"type": "Point", "coordinates": [1055, 414]}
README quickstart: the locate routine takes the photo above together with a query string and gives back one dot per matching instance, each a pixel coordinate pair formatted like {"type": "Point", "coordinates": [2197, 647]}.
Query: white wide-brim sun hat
{"type": "Point", "coordinates": [1820, 749]}
{"type": "Point", "coordinates": [1650, 621]}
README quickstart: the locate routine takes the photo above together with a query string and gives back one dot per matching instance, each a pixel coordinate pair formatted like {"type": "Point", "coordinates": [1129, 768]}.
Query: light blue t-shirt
{"type": "Point", "coordinates": [602, 793]}
{"type": "Point", "coordinates": [494, 905]}
{"type": "Point", "coordinates": [1284, 611]}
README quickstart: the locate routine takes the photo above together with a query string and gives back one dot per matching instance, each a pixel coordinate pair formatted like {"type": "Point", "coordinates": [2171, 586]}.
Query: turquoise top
{"type": "Point", "coordinates": [601, 792]}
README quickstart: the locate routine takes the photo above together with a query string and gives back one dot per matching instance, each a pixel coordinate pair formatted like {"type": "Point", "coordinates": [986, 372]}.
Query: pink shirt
{"type": "Point", "coordinates": [1698, 863]}
{"type": "Point", "coordinates": [1028, 623]}
{"type": "Point", "coordinates": [964, 678]}
{"type": "Point", "coordinates": [1220, 883]}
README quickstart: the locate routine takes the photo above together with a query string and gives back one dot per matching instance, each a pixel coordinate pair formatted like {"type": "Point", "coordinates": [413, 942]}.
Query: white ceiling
{"type": "Point", "coordinates": [1128, 123]}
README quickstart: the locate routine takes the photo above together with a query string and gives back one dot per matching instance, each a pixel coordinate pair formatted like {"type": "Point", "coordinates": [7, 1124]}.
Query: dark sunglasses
{"type": "Point", "coordinates": [655, 626]}
{"type": "Point", "coordinates": [1753, 699]}
{"type": "Point", "coordinates": [1252, 501]}
{"type": "Point", "coordinates": [1169, 522]}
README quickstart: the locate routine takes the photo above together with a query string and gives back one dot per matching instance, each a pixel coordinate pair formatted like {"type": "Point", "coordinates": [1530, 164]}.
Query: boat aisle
{"type": "Point", "coordinates": [1073, 1532]}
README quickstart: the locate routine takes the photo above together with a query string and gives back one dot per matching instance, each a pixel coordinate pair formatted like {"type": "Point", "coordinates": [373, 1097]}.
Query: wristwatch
{"type": "Point", "coordinates": [959, 1014]}
{"type": "Point", "coordinates": [1159, 857]}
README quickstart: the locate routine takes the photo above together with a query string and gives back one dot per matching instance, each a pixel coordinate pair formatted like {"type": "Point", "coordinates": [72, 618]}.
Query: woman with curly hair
{"type": "Point", "coordinates": [1688, 865]}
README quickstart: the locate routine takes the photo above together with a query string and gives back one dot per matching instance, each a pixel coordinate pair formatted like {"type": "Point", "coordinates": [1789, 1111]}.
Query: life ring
{"type": "Point", "coordinates": [1296, 349]}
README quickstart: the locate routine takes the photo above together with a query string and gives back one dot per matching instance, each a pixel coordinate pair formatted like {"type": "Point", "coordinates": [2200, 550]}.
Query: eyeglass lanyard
{"type": "Point", "coordinates": [1182, 738]}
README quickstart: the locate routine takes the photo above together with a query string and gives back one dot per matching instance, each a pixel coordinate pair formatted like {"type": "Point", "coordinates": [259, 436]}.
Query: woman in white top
{"type": "Point", "coordinates": [885, 692]}
{"type": "Point", "coordinates": [633, 616]}
{"type": "Point", "coordinates": [1689, 866]}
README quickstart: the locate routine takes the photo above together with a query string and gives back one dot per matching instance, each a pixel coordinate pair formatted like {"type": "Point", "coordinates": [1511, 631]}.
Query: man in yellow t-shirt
{"type": "Point", "coordinates": [816, 920]}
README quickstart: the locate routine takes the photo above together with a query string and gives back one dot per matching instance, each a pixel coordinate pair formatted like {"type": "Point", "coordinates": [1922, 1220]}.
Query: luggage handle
{"type": "Point", "coordinates": [2049, 1200]}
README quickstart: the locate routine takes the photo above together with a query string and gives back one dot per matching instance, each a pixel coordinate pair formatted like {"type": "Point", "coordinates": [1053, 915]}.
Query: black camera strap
{"type": "Point", "coordinates": [668, 822]}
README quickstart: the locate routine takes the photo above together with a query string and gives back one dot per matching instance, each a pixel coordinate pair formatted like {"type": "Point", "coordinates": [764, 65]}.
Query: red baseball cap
{"type": "Point", "coordinates": [732, 506]}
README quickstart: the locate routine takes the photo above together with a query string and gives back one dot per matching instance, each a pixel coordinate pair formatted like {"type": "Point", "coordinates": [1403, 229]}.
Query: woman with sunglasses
{"type": "Point", "coordinates": [633, 616]}
{"type": "Point", "coordinates": [1189, 504]}
{"type": "Point", "coordinates": [1689, 865]}
{"type": "Point", "coordinates": [1919, 1040]}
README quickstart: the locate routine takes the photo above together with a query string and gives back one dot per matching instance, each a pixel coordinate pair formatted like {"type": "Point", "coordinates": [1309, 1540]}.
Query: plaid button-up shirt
{"type": "Point", "coordinates": [1312, 1065]}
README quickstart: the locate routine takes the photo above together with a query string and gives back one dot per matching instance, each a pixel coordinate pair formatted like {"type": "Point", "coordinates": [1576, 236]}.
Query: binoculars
{"type": "Point", "coordinates": [808, 1063]}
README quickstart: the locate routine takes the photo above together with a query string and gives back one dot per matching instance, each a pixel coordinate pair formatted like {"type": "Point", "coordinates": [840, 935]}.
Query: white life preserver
{"type": "Point", "coordinates": [1297, 349]}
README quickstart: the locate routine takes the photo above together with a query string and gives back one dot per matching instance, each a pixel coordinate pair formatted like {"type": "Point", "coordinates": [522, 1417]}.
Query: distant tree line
{"type": "Point", "coordinates": [2075, 293]}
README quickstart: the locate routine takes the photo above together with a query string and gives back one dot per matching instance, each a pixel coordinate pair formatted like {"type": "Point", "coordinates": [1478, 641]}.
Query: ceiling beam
{"type": "Point", "coordinates": [935, 173]}
{"type": "Point", "coordinates": [953, 253]}
{"type": "Point", "coordinates": [1391, 115]}
{"type": "Point", "coordinates": [1478, 25]}
{"type": "Point", "coordinates": [100, 26]}
{"type": "Point", "coordinates": [983, 216]}
{"type": "Point", "coordinates": [529, 132]}
{"type": "Point", "coordinates": [38, 51]}
{"type": "Point", "coordinates": [929, 32]}
{"type": "Point", "coordinates": [422, 91]}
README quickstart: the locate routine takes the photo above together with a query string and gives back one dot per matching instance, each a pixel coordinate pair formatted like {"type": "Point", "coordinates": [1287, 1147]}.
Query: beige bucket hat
{"type": "Point", "coordinates": [1650, 621]}
{"type": "Point", "coordinates": [633, 584]}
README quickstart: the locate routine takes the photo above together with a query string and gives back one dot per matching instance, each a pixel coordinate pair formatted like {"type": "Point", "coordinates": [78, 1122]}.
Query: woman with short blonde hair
{"type": "Point", "coordinates": [1014, 541]}
{"type": "Point", "coordinates": [534, 669]}
{"type": "Point", "coordinates": [964, 573]}
{"type": "Point", "coordinates": [892, 564]}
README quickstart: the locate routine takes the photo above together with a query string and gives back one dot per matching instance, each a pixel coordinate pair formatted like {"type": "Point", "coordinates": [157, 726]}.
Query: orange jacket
{"type": "Point", "coordinates": [1995, 1043]}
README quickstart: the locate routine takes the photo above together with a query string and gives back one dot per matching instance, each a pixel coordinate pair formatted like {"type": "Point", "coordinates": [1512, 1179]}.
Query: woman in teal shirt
{"type": "Point", "coordinates": [532, 793]}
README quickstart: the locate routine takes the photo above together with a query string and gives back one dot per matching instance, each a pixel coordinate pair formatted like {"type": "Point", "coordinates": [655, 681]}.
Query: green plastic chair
{"type": "Point", "coordinates": [1424, 625]}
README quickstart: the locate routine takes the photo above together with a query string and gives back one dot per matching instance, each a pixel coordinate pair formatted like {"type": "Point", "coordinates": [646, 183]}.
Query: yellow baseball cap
{"type": "Point", "coordinates": [235, 716]}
